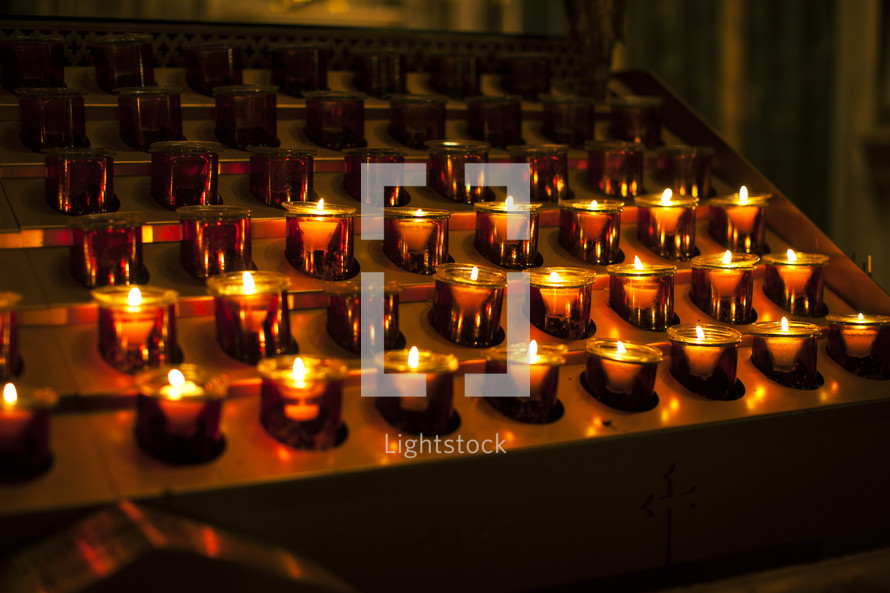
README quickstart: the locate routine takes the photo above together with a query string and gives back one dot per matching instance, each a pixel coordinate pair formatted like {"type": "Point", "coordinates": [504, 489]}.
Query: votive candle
{"type": "Point", "coordinates": [299, 67]}
{"type": "Point", "coordinates": [246, 115]}
{"type": "Point", "coordinates": [52, 118]}
{"type": "Point", "coordinates": [123, 61]}
{"type": "Point", "coordinates": [548, 174]}
{"type": "Point", "coordinates": [666, 224]}
{"type": "Point", "coordinates": [381, 73]}
{"type": "Point", "coordinates": [704, 358]}
{"type": "Point", "coordinates": [540, 403]}
{"type": "Point", "coordinates": [414, 119]}
{"type": "Point", "coordinates": [213, 64]}
{"type": "Point", "coordinates": [416, 240]}
{"type": "Point", "coordinates": [335, 119]}
{"type": "Point", "coordinates": [861, 344]}
{"type": "Point", "coordinates": [642, 295]}
{"type": "Point", "coordinates": [106, 249]}
{"type": "Point", "coordinates": [636, 119]}
{"type": "Point", "coordinates": [79, 180]}
{"type": "Point", "coordinates": [723, 285]}
{"type": "Point", "coordinates": [496, 120]}
{"type": "Point", "coordinates": [352, 180]}
{"type": "Point", "coordinates": [786, 352]}
{"type": "Point", "coordinates": [527, 74]}
{"type": "Point", "coordinates": [344, 314]}
{"type": "Point", "coordinates": [795, 281]}
{"type": "Point", "coordinates": [737, 221]}
{"type": "Point", "coordinates": [590, 229]}
{"type": "Point", "coordinates": [279, 175]}
{"type": "Point", "coordinates": [621, 374]}
{"type": "Point", "coordinates": [24, 432]}
{"type": "Point", "coordinates": [447, 175]}
{"type": "Point", "coordinates": [561, 301]}
{"type": "Point", "coordinates": [467, 304]}
{"type": "Point", "coordinates": [495, 221]}
{"type": "Point", "coordinates": [149, 114]}
{"type": "Point", "coordinates": [455, 75]}
{"type": "Point", "coordinates": [32, 61]}
{"type": "Point", "coordinates": [184, 173]}
{"type": "Point", "coordinates": [320, 239]}
{"type": "Point", "coordinates": [215, 240]}
{"type": "Point", "coordinates": [568, 119]}
{"type": "Point", "coordinates": [615, 168]}
{"type": "Point", "coordinates": [686, 169]}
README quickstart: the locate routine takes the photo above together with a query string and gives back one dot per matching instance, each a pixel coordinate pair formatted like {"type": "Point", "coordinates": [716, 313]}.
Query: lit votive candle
{"type": "Point", "coordinates": [107, 249]}
{"type": "Point", "coordinates": [52, 118]}
{"type": "Point", "coordinates": [251, 314]}
{"type": "Point", "coordinates": [184, 173]}
{"type": "Point", "coordinates": [737, 221]}
{"type": "Point", "coordinates": [447, 175]}
{"type": "Point", "coordinates": [149, 114]}
{"type": "Point", "coordinates": [10, 363]}
{"type": "Point", "coordinates": [861, 344]}
{"type": "Point", "coordinates": [686, 169]}
{"type": "Point", "coordinates": [615, 168]}
{"type": "Point", "coordinates": [723, 285]}
{"type": "Point", "coordinates": [79, 180]}
{"type": "Point", "coordinates": [178, 411]}
{"type": "Point", "coordinates": [344, 316]}
{"type": "Point", "coordinates": [246, 115]}
{"type": "Point", "coordinates": [548, 175]}
{"type": "Point", "coordinates": [302, 400]}
{"type": "Point", "coordinates": [320, 239]}
{"type": "Point", "coordinates": [540, 404]}
{"type": "Point", "coordinates": [352, 180]}
{"type": "Point", "coordinates": [495, 221]}
{"type": "Point", "coordinates": [416, 240]}
{"type": "Point", "coordinates": [24, 432]}
{"type": "Point", "coordinates": [279, 175]}
{"type": "Point", "coordinates": [215, 240]}
{"type": "Point", "coordinates": [561, 300]}
{"type": "Point", "coordinates": [431, 415]}
{"type": "Point", "coordinates": [622, 374]}
{"type": "Point", "coordinates": [467, 304]}
{"type": "Point", "coordinates": [137, 326]}
{"type": "Point", "coordinates": [636, 119]}
{"type": "Point", "coordinates": [590, 229]}
{"type": "Point", "coordinates": [704, 358]}
{"type": "Point", "coordinates": [786, 352]}
{"type": "Point", "coordinates": [335, 119]}
{"type": "Point", "coordinates": [642, 295]}
{"type": "Point", "coordinates": [666, 224]}
{"type": "Point", "coordinates": [795, 281]}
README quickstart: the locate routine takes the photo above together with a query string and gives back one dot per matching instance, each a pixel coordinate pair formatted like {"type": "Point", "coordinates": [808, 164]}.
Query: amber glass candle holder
{"type": "Point", "coordinates": [416, 240]}
{"type": "Point", "coordinates": [527, 75]}
{"type": "Point", "coordinates": [737, 222]}
{"type": "Point", "coordinates": [251, 314]}
{"type": "Point", "coordinates": [215, 240]}
{"type": "Point", "coordinates": [467, 304]}
{"type": "Point", "coordinates": [335, 120]}
{"type": "Point", "coordinates": [137, 326]}
{"type": "Point", "coordinates": [29, 61]}
{"type": "Point", "coordinates": [723, 286]}
{"type": "Point", "coordinates": [861, 344]}
{"type": "Point", "coordinates": [561, 300]}
{"type": "Point", "coordinates": [796, 282]}
{"type": "Point", "coordinates": [686, 169]}
{"type": "Point", "coordinates": [430, 415]}
{"type": "Point", "coordinates": [786, 352]}
{"type": "Point", "coordinates": [496, 221]}
{"type": "Point", "coordinates": [246, 115]}
{"type": "Point", "coordinates": [52, 118]}
{"type": "Point", "coordinates": [540, 405]}
{"type": "Point", "coordinates": [455, 75]}
{"type": "Point", "coordinates": [24, 432]}
{"type": "Point", "coordinates": [279, 175]}
{"type": "Point", "coordinates": [548, 176]}
{"type": "Point", "coordinates": [666, 224]}
{"type": "Point", "coordinates": [106, 249]}
{"type": "Point", "coordinates": [622, 374]}
{"type": "Point", "coordinates": [213, 64]}
{"type": "Point", "coordinates": [184, 173]}
{"type": "Point", "coordinates": [320, 239]}
{"type": "Point", "coordinates": [381, 73]}
{"type": "Point", "coordinates": [10, 361]}
{"type": "Point", "coordinates": [302, 400]}
{"type": "Point", "coordinates": [643, 295]}
{"type": "Point", "coordinates": [149, 114]}
{"type": "Point", "coordinates": [344, 318]}
{"type": "Point", "coordinates": [704, 358]}
{"type": "Point", "coordinates": [414, 119]}
{"type": "Point", "coordinates": [590, 229]}
{"type": "Point", "coordinates": [636, 119]}
{"type": "Point", "coordinates": [80, 180]}
{"type": "Point", "coordinates": [496, 120]}
{"type": "Point", "coordinates": [352, 181]}
{"type": "Point", "coordinates": [123, 61]}
{"type": "Point", "coordinates": [447, 174]}
{"type": "Point", "coordinates": [299, 67]}
{"type": "Point", "coordinates": [568, 120]}
{"type": "Point", "coordinates": [178, 412]}
{"type": "Point", "coordinates": [615, 168]}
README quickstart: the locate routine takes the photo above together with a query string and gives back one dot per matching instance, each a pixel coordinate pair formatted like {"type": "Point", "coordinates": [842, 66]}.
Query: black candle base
{"type": "Point", "coordinates": [626, 402]}
{"type": "Point", "coordinates": [14, 470]}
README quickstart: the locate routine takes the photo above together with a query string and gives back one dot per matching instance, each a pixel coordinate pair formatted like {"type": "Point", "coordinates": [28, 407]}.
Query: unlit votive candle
{"type": "Point", "coordinates": [215, 240]}
{"type": "Point", "coordinates": [137, 326]}
{"type": "Point", "coordinates": [723, 286]}
{"type": "Point", "coordinates": [344, 316]}
{"type": "Point", "coordinates": [212, 64]}
{"type": "Point", "coordinates": [467, 304]}
{"type": "Point", "coordinates": [446, 174]}
{"type": "Point", "coordinates": [335, 119]}
{"type": "Point", "coordinates": [149, 114]}
{"type": "Point", "coordinates": [568, 120]}
{"type": "Point", "coordinates": [107, 248]}
{"type": "Point", "coordinates": [666, 224]}
{"type": "Point", "coordinates": [561, 301]}
{"type": "Point", "coordinates": [496, 120]}
{"type": "Point", "coordinates": [540, 403]}
{"type": "Point", "coordinates": [737, 221]}
{"type": "Point", "coordinates": [251, 314]}
{"type": "Point", "coordinates": [299, 67]}
{"type": "Point", "coordinates": [704, 358]}
{"type": "Point", "coordinates": [861, 344]}
{"type": "Point", "coordinates": [184, 173]}
{"type": "Point", "coordinates": [786, 352]}
{"type": "Point", "coordinates": [246, 115]}
{"type": "Point", "coordinates": [24, 431]}
{"type": "Point", "coordinates": [414, 119]}
{"type": "Point", "coordinates": [615, 168]}
{"type": "Point", "coordinates": [795, 281]}
{"type": "Point", "coordinates": [381, 73]}
{"type": "Point", "coordinates": [622, 374]}
{"type": "Point", "coordinates": [636, 119]}
{"type": "Point", "coordinates": [10, 362]}
{"type": "Point", "coordinates": [495, 221]}
{"type": "Point", "coordinates": [52, 118]}
{"type": "Point", "coordinates": [431, 415]}
{"type": "Point", "coordinates": [527, 75]}
{"type": "Point", "coordinates": [642, 295]}
{"type": "Point", "coordinates": [590, 229]}
{"type": "Point", "coordinates": [279, 175]}
{"type": "Point", "coordinates": [123, 60]}
{"type": "Point", "coordinates": [686, 169]}
{"type": "Point", "coordinates": [548, 174]}
{"type": "Point", "coordinates": [301, 400]}
{"type": "Point", "coordinates": [352, 180]}
{"type": "Point", "coordinates": [28, 61]}
{"type": "Point", "coordinates": [455, 75]}
{"type": "Point", "coordinates": [416, 240]}
{"type": "Point", "coordinates": [80, 180]}
{"type": "Point", "coordinates": [178, 412]}
{"type": "Point", "coordinates": [320, 239]}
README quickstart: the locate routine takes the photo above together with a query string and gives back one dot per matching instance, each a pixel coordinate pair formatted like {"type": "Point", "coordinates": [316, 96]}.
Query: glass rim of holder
{"type": "Point", "coordinates": [585, 205]}
{"type": "Point", "coordinates": [569, 277]}
{"type": "Point", "coordinates": [714, 261]}
{"type": "Point", "coordinates": [316, 368]}
{"type": "Point", "coordinates": [487, 276]}
{"type": "Point", "coordinates": [868, 320]}
{"type": "Point", "coordinates": [123, 37]}
{"type": "Point", "coordinates": [299, 45]}
{"type": "Point", "coordinates": [32, 398]}
{"type": "Point", "coordinates": [152, 296]}
{"type": "Point", "coordinates": [635, 101]}
{"type": "Point", "coordinates": [633, 351]}
{"type": "Point", "coordinates": [214, 385]}
{"type": "Point", "coordinates": [397, 361]}
{"type": "Point", "coordinates": [646, 270]}
{"type": "Point", "coordinates": [293, 209]}
{"type": "Point", "coordinates": [148, 90]}
{"type": "Point", "coordinates": [281, 151]}
{"type": "Point", "coordinates": [613, 145]}
{"type": "Point", "coordinates": [654, 200]}
{"type": "Point", "coordinates": [186, 146]}
{"type": "Point", "coordinates": [536, 149]}
{"type": "Point", "coordinates": [796, 329]}
{"type": "Point", "coordinates": [232, 283]}
{"type": "Point", "coordinates": [106, 220]}
{"type": "Point", "coordinates": [450, 146]}
{"type": "Point", "coordinates": [212, 212]}
{"type": "Point", "coordinates": [497, 207]}
{"type": "Point", "coordinates": [803, 259]}
{"type": "Point", "coordinates": [374, 151]}
{"type": "Point", "coordinates": [417, 98]}
{"type": "Point", "coordinates": [328, 94]}
{"type": "Point", "coordinates": [714, 335]}
{"type": "Point", "coordinates": [83, 152]}
{"type": "Point", "coordinates": [32, 39]}
{"type": "Point", "coordinates": [405, 212]}
{"type": "Point", "coordinates": [547, 353]}
{"type": "Point", "coordinates": [505, 98]}
{"type": "Point", "coordinates": [754, 199]}
{"type": "Point", "coordinates": [245, 89]}
{"type": "Point", "coordinates": [685, 149]}
{"type": "Point", "coordinates": [59, 91]}
{"type": "Point", "coordinates": [353, 286]}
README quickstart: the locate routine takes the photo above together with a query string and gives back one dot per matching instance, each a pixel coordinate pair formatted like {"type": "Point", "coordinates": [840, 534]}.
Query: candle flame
{"type": "Point", "coordinates": [418, 212]}
{"type": "Point", "coordinates": [593, 204]}
{"type": "Point", "coordinates": [176, 378]}
{"type": "Point", "coordinates": [620, 348]}
{"type": "Point", "coordinates": [247, 281]}
{"type": "Point", "coordinates": [743, 195]}
{"type": "Point", "coordinates": [554, 277]}
{"type": "Point", "coordinates": [508, 203]}
{"type": "Point", "coordinates": [474, 275]}
{"type": "Point", "coordinates": [699, 332]}
{"type": "Point", "coordinates": [134, 297]}
{"type": "Point", "coordinates": [791, 255]}
{"type": "Point", "coordinates": [299, 370]}
{"type": "Point", "coordinates": [413, 357]}
{"type": "Point", "coordinates": [727, 257]}
{"type": "Point", "coordinates": [532, 350]}
{"type": "Point", "coordinates": [638, 265]}
{"type": "Point", "coordinates": [320, 205]}
{"type": "Point", "coordinates": [784, 324]}
{"type": "Point", "coordinates": [666, 196]}
{"type": "Point", "coordinates": [861, 317]}
{"type": "Point", "coordinates": [9, 394]}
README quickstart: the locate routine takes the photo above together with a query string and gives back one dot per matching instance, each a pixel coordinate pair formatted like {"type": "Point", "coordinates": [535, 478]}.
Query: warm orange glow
{"type": "Point", "coordinates": [620, 348]}
{"type": "Point", "coordinates": [554, 277]}
{"type": "Point", "coordinates": [474, 275]}
{"type": "Point", "coordinates": [9, 394]}
{"type": "Point", "coordinates": [299, 370]}
{"type": "Point", "coordinates": [666, 196]}
{"type": "Point", "coordinates": [508, 203]}
{"type": "Point", "coordinates": [413, 357]}
{"type": "Point", "coordinates": [743, 195]}
{"type": "Point", "coordinates": [727, 257]}
{"type": "Point", "coordinates": [861, 317]}
{"type": "Point", "coordinates": [593, 204]}
{"type": "Point", "coordinates": [176, 378]}
{"type": "Point", "coordinates": [638, 265]}
{"type": "Point", "coordinates": [418, 212]}
{"type": "Point", "coordinates": [134, 297]}
{"type": "Point", "coordinates": [532, 350]}
{"type": "Point", "coordinates": [248, 283]}
{"type": "Point", "coordinates": [784, 324]}
{"type": "Point", "coordinates": [320, 205]}
{"type": "Point", "coordinates": [675, 404]}
{"type": "Point", "coordinates": [699, 332]}
{"type": "Point", "coordinates": [791, 255]}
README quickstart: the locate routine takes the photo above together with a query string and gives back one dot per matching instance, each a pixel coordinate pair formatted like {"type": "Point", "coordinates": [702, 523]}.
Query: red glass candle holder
{"type": "Point", "coordinates": [540, 405]}
{"type": "Point", "coordinates": [495, 221]}
{"type": "Point", "coordinates": [178, 412]}
{"type": "Point", "coordinates": [184, 173]}
{"type": "Point", "coordinates": [10, 361]}
{"type": "Point", "coordinates": [704, 358]}
{"type": "Point", "coordinates": [416, 240]}
{"type": "Point", "coordinates": [527, 75]}
{"type": "Point", "coordinates": [335, 120]}
{"type": "Point", "coordinates": [642, 295]}
{"type": "Point", "coordinates": [786, 352]}
{"type": "Point", "coordinates": [455, 75]}
{"type": "Point", "coordinates": [615, 168]}
{"type": "Point", "coordinates": [861, 344]}
{"type": "Point", "coordinates": [52, 118]}
{"type": "Point", "coordinates": [344, 318]}
{"type": "Point", "coordinates": [246, 115]}
{"type": "Point", "coordinates": [137, 326]}
{"type": "Point", "coordinates": [737, 221]}
{"type": "Point", "coordinates": [123, 61]}
{"type": "Point", "coordinates": [279, 175]}
{"type": "Point", "coordinates": [251, 314]}
{"type": "Point", "coordinates": [430, 415]}
{"type": "Point", "coordinates": [636, 119]}
{"type": "Point", "coordinates": [560, 301]}
{"type": "Point", "coordinates": [686, 169]}
{"type": "Point", "coordinates": [352, 181]}
{"type": "Point", "coordinates": [80, 180]}
{"type": "Point", "coordinates": [320, 239]}
{"type": "Point", "coordinates": [28, 61]}
{"type": "Point", "coordinates": [106, 249]}
{"type": "Point", "coordinates": [666, 224]}
{"type": "Point", "coordinates": [24, 432]}
{"type": "Point", "coordinates": [381, 73]}
{"type": "Point", "coordinates": [568, 120]}
{"type": "Point", "coordinates": [723, 286]}
{"type": "Point", "coordinates": [149, 114]}
{"type": "Point", "coordinates": [548, 176]}
{"type": "Point", "coordinates": [215, 240]}
{"type": "Point", "coordinates": [622, 374]}
{"type": "Point", "coordinates": [590, 229]}
{"type": "Point", "coordinates": [796, 282]}
{"type": "Point", "coordinates": [447, 175]}
{"type": "Point", "coordinates": [467, 304]}
{"type": "Point", "coordinates": [213, 64]}
{"type": "Point", "coordinates": [301, 400]}
{"type": "Point", "coordinates": [496, 120]}
{"type": "Point", "coordinates": [299, 67]}
{"type": "Point", "coordinates": [414, 119]}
